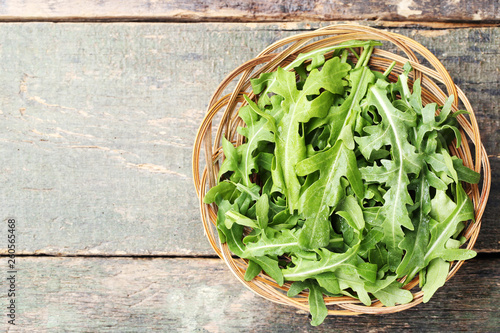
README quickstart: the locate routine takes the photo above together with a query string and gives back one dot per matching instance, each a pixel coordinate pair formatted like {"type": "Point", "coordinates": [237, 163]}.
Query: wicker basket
{"type": "Point", "coordinates": [433, 77]}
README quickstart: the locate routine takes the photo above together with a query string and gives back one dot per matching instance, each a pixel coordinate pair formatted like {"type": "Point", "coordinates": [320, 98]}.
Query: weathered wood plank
{"type": "Point", "coordinates": [98, 122]}
{"type": "Point", "coordinates": [252, 11]}
{"type": "Point", "coordinates": [195, 295]}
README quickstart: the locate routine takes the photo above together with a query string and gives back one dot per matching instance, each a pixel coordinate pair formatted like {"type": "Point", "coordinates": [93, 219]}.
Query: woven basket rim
{"type": "Point", "coordinates": [268, 60]}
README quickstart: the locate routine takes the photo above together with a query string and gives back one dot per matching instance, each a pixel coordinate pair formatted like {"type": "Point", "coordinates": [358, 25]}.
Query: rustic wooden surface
{"type": "Point", "coordinates": [98, 121]}
{"type": "Point", "coordinates": [99, 124]}
{"type": "Point", "coordinates": [485, 11]}
{"type": "Point", "coordinates": [200, 295]}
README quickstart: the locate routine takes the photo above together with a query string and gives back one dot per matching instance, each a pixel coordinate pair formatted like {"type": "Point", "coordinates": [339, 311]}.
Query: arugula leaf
{"type": "Point", "coordinates": [271, 267]}
{"type": "Point", "coordinates": [252, 271]}
{"type": "Point", "coordinates": [443, 230]}
{"type": "Point", "coordinates": [351, 211]}
{"type": "Point", "coordinates": [341, 120]}
{"type": "Point", "coordinates": [392, 294]}
{"type": "Point", "coordinates": [232, 236]}
{"type": "Point", "coordinates": [290, 144]}
{"type": "Point", "coordinates": [431, 123]}
{"type": "Point", "coordinates": [233, 216]}
{"type": "Point", "coordinates": [415, 242]}
{"type": "Point", "coordinates": [464, 173]}
{"type": "Point", "coordinates": [316, 304]}
{"type": "Point", "coordinates": [437, 272]}
{"type": "Point", "coordinates": [224, 190]}
{"type": "Point", "coordinates": [348, 279]}
{"type": "Point", "coordinates": [297, 287]}
{"type": "Point", "coordinates": [372, 238]}
{"type": "Point", "coordinates": [329, 282]}
{"type": "Point", "coordinates": [262, 84]}
{"type": "Point", "coordinates": [317, 55]}
{"type": "Point", "coordinates": [262, 207]}
{"type": "Point", "coordinates": [395, 126]}
{"type": "Point", "coordinates": [329, 262]}
{"type": "Point", "coordinates": [392, 131]}
{"type": "Point", "coordinates": [324, 194]}
{"type": "Point", "coordinates": [282, 242]}
{"type": "Point", "coordinates": [241, 159]}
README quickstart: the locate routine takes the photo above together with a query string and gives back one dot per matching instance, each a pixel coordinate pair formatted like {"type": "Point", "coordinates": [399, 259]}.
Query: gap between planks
{"type": "Point", "coordinates": [376, 23]}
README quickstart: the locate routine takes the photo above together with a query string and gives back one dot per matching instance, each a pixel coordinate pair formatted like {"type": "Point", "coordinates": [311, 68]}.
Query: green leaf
{"type": "Point", "coordinates": [297, 287]}
{"type": "Point", "coordinates": [271, 267]}
{"type": "Point", "coordinates": [392, 131]}
{"type": "Point", "coordinates": [233, 216]}
{"type": "Point", "coordinates": [415, 99]}
{"type": "Point", "coordinates": [224, 189]}
{"type": "Point", "coordinates": [449, 164]}
{"type": "Point", "coordinates": [317, 55]}
{"type": "Point", "coordinates": [395, 126]}
{"type": "Point", "coordinates": [380, 174]}
{"type": "Point", "coordinates": [464, 173]}
{"type": "Point", "coordinates": [395, 213]}
{"type": "Point", "coordinates": [252, 190]}
{"type": "Point", "coordinates": [290, 144]}
{"type": "Point", "coordinates": [283, 242]}
{"type": "Point", "coordinates": [365, 270]}
{"type": "Point", "coordinates": [241, 160]}
{"type": "Point", "coordinates": [436, 275]}
{"type": "Point", "coordinates": [265, 80]}
{"type": "Point", "coordinates": [262, 206]}
{"type": "Point", "coordinates": [232, 161]}
{"type": "Point", "coordinates": [349, 279]}
{"type": "Point", "coordinates": [316, 304]}
{"type": "Point", "coordinates": [324, 194]}
{"type": "Point", "coordinates": [252, 271]}
{"type": "Point", "coordinates": [264, 161]}
{"type": "Point", "coordinates": [431, 123]}
{"type": "Point", "coordinates": [372, 215]}
{"type": "Point", "coordinates": [415, 242]}
{"type": "Point", "coordinates": [351, 211]}
{"type": "Point", "coordinates": [458, 254]}
{"type": "Point", "coordinates": [233, 235]}
{"type": "Point", "coordinates": [329, 262]}
{"type": "Point", "coordinates": [341, 120]}
{"type": "Point", "coordinates": [329, 282]}
{"type": "Point", "coordinates": [261, 86]}
{"type": "Point", "coordinates": [392, 295]}
{"type": "Point", "coordinates": [441, 206]}
{"type": "Point", "coordinates": [378, 136]}
{"type": "Point", "coordinates": [443, 230]}
{"type": "Point", "coordinates": [378, 255]}
{"type": "Point", "coordinates": [380, 284]}
{"type": "Point", "coordinates": [372, 238]}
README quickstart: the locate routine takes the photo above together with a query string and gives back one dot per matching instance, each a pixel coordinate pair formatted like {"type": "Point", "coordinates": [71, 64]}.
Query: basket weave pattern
{"type": "Point", "coordinates": [433, 76]}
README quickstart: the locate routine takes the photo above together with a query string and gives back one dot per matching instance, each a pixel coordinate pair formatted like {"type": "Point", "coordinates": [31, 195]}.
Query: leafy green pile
{"type": "Point", "coordinates": [344, 184]}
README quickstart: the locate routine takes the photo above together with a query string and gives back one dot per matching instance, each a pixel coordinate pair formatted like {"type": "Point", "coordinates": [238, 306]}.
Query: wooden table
{"type": "Point", "coordinates": [99, 105]}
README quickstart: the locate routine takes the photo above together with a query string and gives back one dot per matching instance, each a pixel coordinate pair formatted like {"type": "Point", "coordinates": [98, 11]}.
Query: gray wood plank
{"type": "Point", "coordinates": [98, 121]}
{"type": "Point", "coordinates": [260, 10]}
{"type": "Point", "coordinates": [201, 295]}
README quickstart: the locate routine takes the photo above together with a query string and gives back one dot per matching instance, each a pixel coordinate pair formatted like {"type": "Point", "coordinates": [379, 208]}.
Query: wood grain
{"type": "Point", "coordinates": [253, 11]}
{"type": "Point", "coordinates": [201, 295]}
{"type": "Point", "coordinates": [98, 121]}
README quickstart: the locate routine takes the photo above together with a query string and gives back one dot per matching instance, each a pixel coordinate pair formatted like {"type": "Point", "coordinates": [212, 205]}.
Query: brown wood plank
{"type": "Point", "coordinates": [196, 295]}
{"type": "Point", "coordinates": [252, 11]}
{"type": "Point", "coordinates": [98, 122]}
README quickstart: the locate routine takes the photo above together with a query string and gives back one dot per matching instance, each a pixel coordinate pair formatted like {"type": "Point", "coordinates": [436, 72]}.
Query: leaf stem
{"type": "Point", "coordinates": [343, 58]}
{"type": "Point", "coordinates": [389, 69]}
{"type": "Point", "coordinates": [365, 57]}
